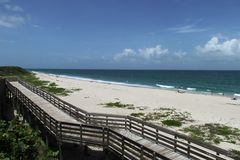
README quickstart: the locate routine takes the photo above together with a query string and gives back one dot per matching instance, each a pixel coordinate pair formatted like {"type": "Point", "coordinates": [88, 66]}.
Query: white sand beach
{"type": "Point", "coordinates": [203, 108]}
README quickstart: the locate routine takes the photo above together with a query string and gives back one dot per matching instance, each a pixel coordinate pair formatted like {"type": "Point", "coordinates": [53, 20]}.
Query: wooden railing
{"type": "Point", "coordinates": [106, 122]}
{"type": "Point", "coordinates": [85, 133]}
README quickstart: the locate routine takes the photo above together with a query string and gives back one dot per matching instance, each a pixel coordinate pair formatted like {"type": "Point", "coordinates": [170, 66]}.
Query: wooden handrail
{"type": "Point", "coordinates": [69, 132]}
{"type": "Point", "coordinates": [147, 130]}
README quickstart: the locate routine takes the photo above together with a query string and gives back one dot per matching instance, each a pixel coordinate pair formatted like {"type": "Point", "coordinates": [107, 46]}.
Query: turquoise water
{"type": "Point", "coordinates": [209, 82]}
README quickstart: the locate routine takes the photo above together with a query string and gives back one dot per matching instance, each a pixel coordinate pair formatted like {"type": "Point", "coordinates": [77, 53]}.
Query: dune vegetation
{"type": "Point", "coordinates": [19, 141]}
{"type": "Point", "coordinates": [10, 72]}
{"type": "Point", "coordinates": [166, 116]}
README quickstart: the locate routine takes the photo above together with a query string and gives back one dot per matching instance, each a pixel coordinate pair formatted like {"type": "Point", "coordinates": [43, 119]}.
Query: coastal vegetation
{"type": "Point", "coordinates": [214, 133]}
{"type": "Point", "coordinates": [167, 116]}
{"type": "Point", "coordinates": [237, 152]}
{"type": "Point", "coordinates": [118, 104]}
{"type": "Point", "coordinates": [137, 114]}
{"type": "Point", "coordinates": [18, 72]}
{"type": "Point", "coordinates": [19, 141]}
{"type": "Point", "coordinates": [172, 122]}
{"type": "Point", "coordinates": [210, 133]}
{"type": "Point", "coordinates": [76, 89]}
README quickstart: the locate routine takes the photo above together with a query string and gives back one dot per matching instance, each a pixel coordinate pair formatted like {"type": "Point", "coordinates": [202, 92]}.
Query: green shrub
{"type": "Point", "coordinates": [214, 133]}
{"type": "Point", "coordinates": [172, 122]}
{"type": "Point", "coordinates": [139, 114]}
{"type": "Point", "coordinates": [118, 105]}
{"type": "Point", "coordinates": [167, 116]}
{"type": "Point", "coordinates": [236, 152]}
{"type": "Point", "coordinates": [19, 141]}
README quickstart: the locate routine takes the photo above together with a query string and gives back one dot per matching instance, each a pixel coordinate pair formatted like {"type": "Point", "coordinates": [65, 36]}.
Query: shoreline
{"type": "Point", "coordinates": [203, 109]}
{"type": "Point", "coordinates": [69, 82]}
{"type": "Point", "coordinates": [158, 86]}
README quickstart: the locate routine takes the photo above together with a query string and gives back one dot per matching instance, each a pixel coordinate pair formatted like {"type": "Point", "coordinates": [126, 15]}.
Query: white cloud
{"type": "Point", "coordinates": [180, 54]}
{"type": "Point", "coordinates": [13, 8]}
{"type": "Point", "coordinates": [216, 47]}
{"type": "Point", "coordinates": [11, 21]}
{"type": "Point", "coordinates": [187, 29]}
{"type": "Point", "coordinates": [127, 53]}
{"type": "Point", "coordinates": [153, 53]}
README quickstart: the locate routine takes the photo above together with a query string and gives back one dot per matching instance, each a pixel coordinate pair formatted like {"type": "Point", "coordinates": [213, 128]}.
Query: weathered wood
{"type": "Point", "coordinates": [44, 105]}
{"type": "Point", "coordinates": [131, 137]}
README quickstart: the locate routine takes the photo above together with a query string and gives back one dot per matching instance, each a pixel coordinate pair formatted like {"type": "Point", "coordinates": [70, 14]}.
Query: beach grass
{"type": "Point", "coordinates": [118, 104]}
{"type": "Point", "coordinates": [137, 114]}
{"type": "Point", "coordinates": [76, 89]}
{"type": "Point", "coordinates": [172, 122]}
{"type": "Point", "coordinates": [214, 133]}
{"type": "Point", "coordinates": [51, 87]}
{"type": "Point", "coordinates": [167, 116]}
{"type": "Point", "coordinates": [234, 151]}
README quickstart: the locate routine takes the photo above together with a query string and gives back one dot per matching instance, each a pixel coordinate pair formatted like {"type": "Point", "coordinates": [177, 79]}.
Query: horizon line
{"type": "Point", "coordinates": [134, 69]}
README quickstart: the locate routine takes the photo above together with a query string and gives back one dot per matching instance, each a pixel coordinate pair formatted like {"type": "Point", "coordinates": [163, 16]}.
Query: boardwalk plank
{"type": "Point", "coordinates": [61, 116]}
{"type": "Point", "coordinates": [45, 105]}
{"type": "Point", "coordinates": [158, 148]}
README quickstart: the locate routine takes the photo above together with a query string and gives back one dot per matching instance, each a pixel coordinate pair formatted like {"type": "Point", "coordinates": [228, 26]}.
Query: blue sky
{"type": "Point", "coordinates": [120, 34]}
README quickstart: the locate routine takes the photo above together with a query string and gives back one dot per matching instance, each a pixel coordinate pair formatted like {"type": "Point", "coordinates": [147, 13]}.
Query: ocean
{"type": "Point", "coordinates": [206, 82]}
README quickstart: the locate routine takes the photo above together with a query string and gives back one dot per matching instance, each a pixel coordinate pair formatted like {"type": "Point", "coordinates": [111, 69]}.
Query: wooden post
{"type": "Point", "coordinates": [143, 130]}
{"type": "Point", "coordinates": [154, 155]}
{"type": "Point", "coordinates": [59, 138]}
{"type": "Point", "coordinates": [60, 151]}
{"type": "Point", "coordinates": [44, 119]}
{"type": "Point", "coordinates": [50, 124]}
{"type": "Point", "coordinates": [24, 114]}
{"type": "Point", "coordinates": [60, 130]}
{"type": "Point", "coordinates": [103, 135]}
{"type": "Point", "coordinates": [70, 110]}
{"type": "Point", "coordinates": [125, 123]}
{"type": "Point", "coordinates": [217, 155]}
{"type": "Point", "coordinates": [188, 151]}
{"type": "Point", "coordinates": [35, 121]}
{"type": "Point", "coordinates": [13, 102]}
{"type": "Point", "coordinates": [108, 136]}
{"type": "Point", "coordinates": [106, 120]}
{"type": "Point", "coordinates": [122, 147]}
{"type": "Point", "coordinates": [141, 154]}
{"type": "Point", "coordinates": [81, 134]}
{"type": "Point", "coordinates": [87, 118]}
{"type": "Point", "coordinates": [175, 143]}
{"type": "Point", "coordinates": [130, 125]}
{"type": "Point", "coordinates": [18, 107]}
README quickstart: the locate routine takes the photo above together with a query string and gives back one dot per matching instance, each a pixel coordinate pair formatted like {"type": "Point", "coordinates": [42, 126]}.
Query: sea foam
{"type": "Point", "coordinates": [96, 80]}
{"type": "Point", "coordinates": [191, 89]}
{"type": "Point", "coordinates": [165, 86]}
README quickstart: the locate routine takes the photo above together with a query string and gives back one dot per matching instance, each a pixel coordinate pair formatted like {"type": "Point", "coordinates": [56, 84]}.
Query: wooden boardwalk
{"type": "Point", "coordinates": [129, 137]}
{"type": "Point", "coordinates": [157, 148]}
{"type": "Point", "coordinates": [49, 108]}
